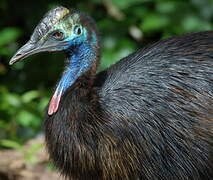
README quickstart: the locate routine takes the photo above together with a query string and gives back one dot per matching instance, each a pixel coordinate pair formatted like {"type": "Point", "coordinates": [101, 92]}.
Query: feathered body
{"type": "Point", "coordinates": [147, 117]}
{"type": "Point", "coordinates": [150, 116]}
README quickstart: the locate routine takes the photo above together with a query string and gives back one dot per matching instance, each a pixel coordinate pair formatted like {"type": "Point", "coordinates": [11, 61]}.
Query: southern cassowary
{"type": "Point", "coordinates": [148, 117]}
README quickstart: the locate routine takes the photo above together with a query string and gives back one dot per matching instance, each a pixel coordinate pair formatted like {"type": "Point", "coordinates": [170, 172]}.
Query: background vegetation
{"type": "Point", "coordinates": [125, 26]}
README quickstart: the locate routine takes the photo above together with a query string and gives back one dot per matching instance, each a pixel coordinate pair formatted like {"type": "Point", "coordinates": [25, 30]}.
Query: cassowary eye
{"type": "Point", "coordinates": [58, 35]}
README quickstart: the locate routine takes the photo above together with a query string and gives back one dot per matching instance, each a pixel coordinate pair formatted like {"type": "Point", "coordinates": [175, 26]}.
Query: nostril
{"type": "Point", "coordinates": [18, 54]}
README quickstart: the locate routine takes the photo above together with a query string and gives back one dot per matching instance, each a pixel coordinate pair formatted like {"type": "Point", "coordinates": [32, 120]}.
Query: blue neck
{"type": "Point", "coordinates": [79, 61]}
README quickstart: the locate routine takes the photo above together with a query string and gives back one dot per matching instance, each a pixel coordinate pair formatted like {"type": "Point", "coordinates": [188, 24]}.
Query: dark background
{"type": "Point", "coordinates": [125, 26]}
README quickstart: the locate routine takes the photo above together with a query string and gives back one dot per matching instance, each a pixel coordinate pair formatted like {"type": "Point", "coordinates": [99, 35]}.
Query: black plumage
{"type": "Point", "coordinates": [147, 117]}
{"type": "Point", "coordinates": [150, 116]}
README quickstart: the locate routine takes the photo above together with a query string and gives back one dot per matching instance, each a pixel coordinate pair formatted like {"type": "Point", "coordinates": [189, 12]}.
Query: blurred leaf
{"type": "Point", "coordinates": [42, 104]}
{"type": "Point", "coordinates": [26, 118]}
{"type": "Point", "coordinates": [154, 22]}
{"type": "Point", "coordinates": [5, 51]}
{"type": "Point", "coordinates": [204, 7]}
{"type": "Point", "coordinates": [51, 167]}
{"type": "Point", "coordinates": [110, 42]}
{"type": "Point", "coordinates": [11, 144]}
{"type": "Point", "coordinates": [34, 148]}
{"type": "Point", "coordinates": [166, 6]}
{"type": "Point", "coordinates": [114, 50]}
{"type": "Point", "coordinates": [30, 153]}
{"type": "Point", "coordinates": [2, 124]}
{"type": "Point", "coordinates": [193, 23]}
{"type": "Point", "coordinates": [29, 96]}
{"type": "Point", "coordinates": [12, 99]}
{"type": "Point", "coordinates": [122, 4]}
{"type": "Point", "coordinates": [8, 35]}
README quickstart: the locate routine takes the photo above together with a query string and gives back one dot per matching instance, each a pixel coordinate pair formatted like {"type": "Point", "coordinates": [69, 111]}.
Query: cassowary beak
{"type": "Point", "coordinates": [25, 51]}
{"type": "Point", "coordinates": [29, 49]}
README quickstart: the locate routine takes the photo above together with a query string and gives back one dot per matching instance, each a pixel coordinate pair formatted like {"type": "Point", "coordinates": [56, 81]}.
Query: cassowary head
{"type": "Point", "coordinates": [60, 29]}
{"type": "Point", "coordinates": [66, 30]}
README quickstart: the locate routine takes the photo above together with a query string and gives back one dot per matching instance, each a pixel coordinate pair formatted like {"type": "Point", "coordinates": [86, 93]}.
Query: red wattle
{"type": "Point", "coordinates": [54, 103]}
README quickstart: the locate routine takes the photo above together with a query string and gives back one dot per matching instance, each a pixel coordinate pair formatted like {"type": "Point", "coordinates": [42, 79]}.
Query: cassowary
{"type": "Point", "coordinates": [147, 117]}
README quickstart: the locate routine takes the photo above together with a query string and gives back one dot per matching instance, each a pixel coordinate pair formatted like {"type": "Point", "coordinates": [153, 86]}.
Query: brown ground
{"type": "Point", "coordinates": [14, 166]}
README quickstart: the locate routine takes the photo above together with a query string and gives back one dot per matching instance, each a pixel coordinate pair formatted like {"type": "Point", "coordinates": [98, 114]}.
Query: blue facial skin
{"type": "Point", "coordinates": [81, 55]}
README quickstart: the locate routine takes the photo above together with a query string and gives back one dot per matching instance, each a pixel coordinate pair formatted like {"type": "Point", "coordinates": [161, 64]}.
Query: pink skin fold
{"type": "Point", "coordinates": [54, 102]}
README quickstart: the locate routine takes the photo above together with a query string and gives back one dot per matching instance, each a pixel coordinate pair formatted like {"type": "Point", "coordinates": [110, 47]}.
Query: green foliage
{"type": "Point", "coordinates": [127, 3]}
{"type": "Point", "coordinates": [25, 87]}
{"type": "Point", "coordinates": [8, 35]}
{"type": "Point", "coordinates": [11, 144]}
{"type": "Point", "coordinates": [28, 153]}
{"type": "Point", "coordinates": [51, 167]}
{"type": "Point", "coordinates": [20, 119]}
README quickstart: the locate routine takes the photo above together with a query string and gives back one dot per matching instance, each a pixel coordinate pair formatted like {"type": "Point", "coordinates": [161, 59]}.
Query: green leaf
{"type": "Point", "coordinates": [122, 4]}
{"type": "Point", "coordinates": [26, 118]}
{"type": "Point", "coordinates": [166, 6]}
{"type": "Point", "coordinates": [154, 22]}
{"type": "Point", "coordinates": [51, 167]}
{"type": "Point", "coordinates": [34, 148]}
{"type": "Point", "coordinates": [8, 35]}
{"type": "Point", "coordinates": [12, 99]}
{"type": "Point", "coordinates": [2, 124]}
{"type": "Point", "coordinates": [11, 144]}
{"type": "Point", "coordinates": [110, 42]}
{"type": "Point", "coordinates": [5, 51]}
{"type": "Point", "coordinates": [42, 104]}
{"type": "Point", "coordinates": [30, 153]}
{"type": "Point", "coordinates": [193, 23]}
{"type": "Point", "coordinates": [29, 96]}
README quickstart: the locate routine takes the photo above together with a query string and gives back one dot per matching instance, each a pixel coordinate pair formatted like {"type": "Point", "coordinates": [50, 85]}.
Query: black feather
{"type": "Point", "coordinates": [149, 116]}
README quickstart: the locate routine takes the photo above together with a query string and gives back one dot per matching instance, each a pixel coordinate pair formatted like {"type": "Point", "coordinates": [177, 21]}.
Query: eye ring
{"type": "Point", "coordinates": [77, 30]}
{"type": "Point", "coordinates": [58, 35]}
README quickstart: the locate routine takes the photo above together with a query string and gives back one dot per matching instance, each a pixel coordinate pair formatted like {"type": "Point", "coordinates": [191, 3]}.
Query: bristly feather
{"type": "Point", "coordinates": [147, 117]}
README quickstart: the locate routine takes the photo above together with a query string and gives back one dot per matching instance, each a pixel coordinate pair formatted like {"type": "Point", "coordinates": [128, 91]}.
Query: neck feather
{"type": "Point", "coordinates": [81, 62]}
